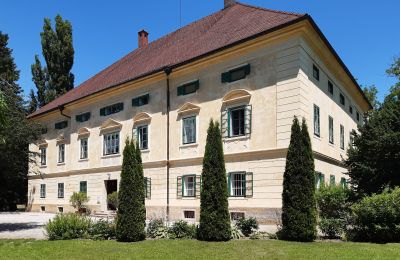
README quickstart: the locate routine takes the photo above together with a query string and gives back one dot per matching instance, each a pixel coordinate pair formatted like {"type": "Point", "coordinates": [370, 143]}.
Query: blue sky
{"type": "Point", "coordinates": [364, 33]}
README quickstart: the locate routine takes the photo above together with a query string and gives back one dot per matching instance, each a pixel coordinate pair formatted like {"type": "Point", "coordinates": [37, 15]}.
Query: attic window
{"type": "Point", "coordinates": [188, 88]}
{"type": "Point", "coordinates": [316, 72]}
{"type": "Point", "coordinates": [141, 101]}
{"type": "Point", "coordinates": [61, 125]}
{"type": "Point", "coordinates": [105, 111]}
{"type": "Point", "coordinates": [351, 109]}
{"type": "Point", "coordinates": [235, 74]}
{"type": "Point", "coordinates": [330, 87]}
{"type": "Point", "coordinates": [342, 100]}
{"type": "Point", "coordinates": [83, 117]}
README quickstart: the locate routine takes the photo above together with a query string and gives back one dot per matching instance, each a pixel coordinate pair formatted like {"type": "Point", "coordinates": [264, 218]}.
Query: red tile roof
{"type": "Point", "coordinates": [221, 29]}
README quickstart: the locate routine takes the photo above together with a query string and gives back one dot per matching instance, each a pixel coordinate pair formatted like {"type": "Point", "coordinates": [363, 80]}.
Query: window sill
{"type": "Point", "coordinates": [317, 137]}
{"type": "Point", "coordinates": [331, 144]}
{"type": "Point", "coordinates": [189, 145]}
{"type": "Point", "coordinates": [189, 198]}
{"type": "Point", "coordinates": [145, 151]}
{"type": "Point", "coordinates": [61, 164]}
{"type": "Point", "coordinates": [237, 138]}
{"type": "Point", "coordinates": [237, 198]}
{"type": "Point", "coordinates": [83, 160]}
{"type": "Point", "coordinates": [110, 156]}
{"type": "Point", "coordinates": [43, 166]}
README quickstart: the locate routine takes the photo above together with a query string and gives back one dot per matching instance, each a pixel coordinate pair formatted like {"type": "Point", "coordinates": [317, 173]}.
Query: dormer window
{"type": "Point", "coordinates": [188, 88]}
{"type": "Point", "coordinates": [315, 72]}
{"type": "Point", "coordinates": [235, 74]}
{"type": "Point", "coordinates": [61, 125]}
{"type": "Point", "coordinates": [113, 109]}
{"type": "Point", "coordinates": [83, 117]}
{"type": "Point", "coordinates": [141, 101]}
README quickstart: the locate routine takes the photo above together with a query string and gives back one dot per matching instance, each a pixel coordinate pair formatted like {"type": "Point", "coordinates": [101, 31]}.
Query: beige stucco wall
{"type": "Point", "coordinates": [281, 86]}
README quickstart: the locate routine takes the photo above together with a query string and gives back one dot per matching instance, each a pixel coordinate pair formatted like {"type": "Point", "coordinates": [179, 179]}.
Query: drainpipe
{"type": "Point", "coordinates": [61, 108]}
{"type": "Point", "coordinates": [168, 71]}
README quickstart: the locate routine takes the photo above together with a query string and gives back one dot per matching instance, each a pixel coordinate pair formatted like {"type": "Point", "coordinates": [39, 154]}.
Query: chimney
{"type": "Point", "coordinates": [228, 3]}
{"type": "Point", "coordinates": [143, 38]}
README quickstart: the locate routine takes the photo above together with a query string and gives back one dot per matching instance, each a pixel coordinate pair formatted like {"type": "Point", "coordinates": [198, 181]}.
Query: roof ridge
{"type": "Point", "coordinates": [270, 10]}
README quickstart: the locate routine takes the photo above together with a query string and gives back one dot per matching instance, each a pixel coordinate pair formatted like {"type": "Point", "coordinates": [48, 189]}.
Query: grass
{"type": "Point", "coordinates": [192, 249]}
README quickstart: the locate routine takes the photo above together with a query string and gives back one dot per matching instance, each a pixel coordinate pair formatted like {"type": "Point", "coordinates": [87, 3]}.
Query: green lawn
{"type": "Point", "coordinates": [192, 249]}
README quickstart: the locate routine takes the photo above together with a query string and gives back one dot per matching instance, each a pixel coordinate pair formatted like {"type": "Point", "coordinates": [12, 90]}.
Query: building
{"type": "Point", "coordinates": [252, 69]}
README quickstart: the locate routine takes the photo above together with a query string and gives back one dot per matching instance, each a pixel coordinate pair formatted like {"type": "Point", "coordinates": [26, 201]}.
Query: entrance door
{"type": "Point", "coordinates": [111, 186]}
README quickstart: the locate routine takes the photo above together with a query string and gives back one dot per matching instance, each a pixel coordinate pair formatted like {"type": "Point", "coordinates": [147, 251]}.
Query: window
{"type": "Point", "coordinates": [343, 182]}
{"type": "Point", "coordinates": [240, 184]}
{"type": "Point", "coordinates": [42, 208]}
{"type": "Point", "coordinates": [189, 214]}
{"type": "Point", "coordinates": [84, 148]}
{"type": "Point", "coordinates": [316, 121]}
{"type": "Point", "coordinates": [141, 101]}
{"type": "Point", "coordinates": [61, 125]}
{"type": "Point", "coordinates": [147, 186]}
{"type": "Point", "coordinates": [236, 121]}
{"type": "Point", "coordinates": [189, 186]}
{"type": "Point", "coordinates": [351, 109]}
{"type": "Point", "coordinates": [330, 87]}
{"type": "Point", "coordinates": [342, 137]}
{"type": "Point", "coordinates": [60, 209]}
{"type": "Point", "coordinates": [105, 111]}
{"type": "Point", "coordinates": [235, 74]}
{"type": "Point", "coordinates": [42, 191]}
{"type": "Point", "coordinates": [351, 138]}
{"type": "Point", "coordinates": [237, 215]}
{"type": "Point", "coordinates": [83, 186]}
{"type": "Point", "coordinates": [83, 117]}
{"type": "Point", "coordinates": [342, 100]}
{"type": "Point", "coordinates": [358, 116]}
{"type": "Point", "coordinates": [143, 137]}
{"type": "Point", "coordinates": [331, 130]}
{"type": "Point", "coordinates": [188, 88]}
{"type": "Point", "coordinates": [319, 179]}
{"type": "Point", "coordinates": [111, 143]}
{"type": "Point", "coordinates": [315, 72]}
{"type": "Point", "coordinates": [43, 152]}
{"type": "Point", "coordinates": [332, 180]}
{"type": "Point", "coordinates": [189, 130]}
{"type": "Point", "coordinates": [61, 153]}
{"type": "Point", "coordinates": [61, 190]}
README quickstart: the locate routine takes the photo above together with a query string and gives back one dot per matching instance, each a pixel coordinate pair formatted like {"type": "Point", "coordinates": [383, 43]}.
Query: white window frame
{"type": "Point", "coordinates": [342, 137]}
{"type": "Point", "coordinates": [60, 192]}
{"type": "Point", "coordinates": [331, 131]}
{"type": "Point", "coordinates": [189, 187]}
{"type": "Point", "coordinates": [317, 121]}
{"type": "Point", "coordinates": [139, 136]}
{"type": "Point", "coordinates": [184, 119]}
{"type": "Point", "coordinates": [43, 156]}
{"type": "Point", "coordinates": [81, 151]}
{"type": "Point", "coordinates": [233, 189]}
{"type": "Point", "coordinates": [189, 210]}
{"type": "Point", "coordinates": [42, 191]}
{"type": "Point", "coordinates": [61, 153]}
{"type": "Point", "coordinates": [113, 146]}
{"type": "Point", "coordinates": [230, 126]}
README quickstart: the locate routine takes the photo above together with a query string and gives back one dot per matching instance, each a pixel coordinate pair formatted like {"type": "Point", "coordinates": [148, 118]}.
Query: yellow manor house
{"type": "Point", "coordinates": [250, 68]}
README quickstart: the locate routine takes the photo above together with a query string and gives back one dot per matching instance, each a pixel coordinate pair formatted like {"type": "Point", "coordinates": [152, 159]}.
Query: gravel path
{"type": "Point", "coordinates": [15, 225]}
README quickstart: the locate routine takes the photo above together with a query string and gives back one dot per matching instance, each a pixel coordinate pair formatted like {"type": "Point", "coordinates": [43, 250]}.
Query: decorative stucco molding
{"type": "Point", "coordinates": [236, 95]}
{"type": "Point", "coordinates": [83, 132]}
{"type": "Point", "coordinates": [141, 118]}
{"type": "Point", "coordinates": [188, 108]}
{"type": "Point", "coordinates": [110, 125]}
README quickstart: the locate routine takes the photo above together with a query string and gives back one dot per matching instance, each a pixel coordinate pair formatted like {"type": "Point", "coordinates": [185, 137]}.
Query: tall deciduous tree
{"type": "Point", "coordinates": [214, 214]}
{"type": "Point", "coordinates": [55, 78]}
{"type": "Point", "coordinates": [298, 197]}
{"type": "Point", "coordinates": [373, 160]}
{"type": "Point", "coordinates": [33, 103]}
{"type": "Point", "coordinates": [371, 94]}
{"type": "Point", "coordinates": [17, 134]}
{"type": "Point", "coordinates": [131, 214]}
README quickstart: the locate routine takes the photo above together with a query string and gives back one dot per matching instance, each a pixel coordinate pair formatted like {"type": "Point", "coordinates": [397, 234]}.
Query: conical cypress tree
{"type": "Point", "coordinates": [298, 197]}
{"type": "Point", "coordinates": [214, 214]}
{"type": "Point", "coordinates": [129, 224]}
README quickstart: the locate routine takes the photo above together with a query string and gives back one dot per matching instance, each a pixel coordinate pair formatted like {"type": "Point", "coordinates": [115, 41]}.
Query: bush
{"type": "Point", "coordinates": [247, 225]}
{"type": "Point", "coordinates": [68, 226]}
{"type": "Point", "coordinates": [236, 233]}
{"type": "Point", "coordinates": [157, 229]}
{"type": "Point", "coordinates": [112, 199]}
{"type": "Point", "coordinates": [78, 201]}
{"type": "Point", "coordinates": [102, 230]}
{"type": "Point", "coordinates": [181, 229]}
{"type": "Point", "coordinates": [215, 223]}
{"type": "Point", "coordinates": [376, 218]}
{"type": "Point", "coordinates": [299, 211]}
{"type": "Point", "coordinates": [333, 209]}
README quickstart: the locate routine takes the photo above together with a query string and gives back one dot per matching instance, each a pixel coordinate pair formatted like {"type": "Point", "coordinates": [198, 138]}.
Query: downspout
{"type": "Point", "coordinates": [61, 108]}
{"type": "Point", "coordinates": [168, 71]}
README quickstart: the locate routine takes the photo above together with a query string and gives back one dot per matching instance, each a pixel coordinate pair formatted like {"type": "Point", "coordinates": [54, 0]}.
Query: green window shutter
{"type": "Point", "coordinates": [181, 91]}
{"type": "Point", "coordinates": [226, 77]}
{"type": "Point", "coordinates": [322, 180]}
{"type": "Point", "coordinates": [198, 186]}
{"type": "Point", "coordinates": [135, 102]}
{"type": "Point", "coordinates": [120, 106]}
{"type": "Point", "coordinates": [229, 184]}
{"type": "Point", "coordinates": [249, 184]}
{"type": "Point", "coordinates": [224, 123]}
{"type": "Point", "coordinates": [343, 182]}
{"type": "Point", "coordinates": [78, 118]}
{"type": "Point", "coordinates": [179, 184]}
{"type": "Point", "coordinates": [103, 111]}
{"type": "Point", "coordinates": [247, 69]}
{"type": "Point", "coordinates": [247, 119]}
{"type": "Point", "coordinates": [332, 180]}
{"type": "Point", "coordinates": [147, 186]}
